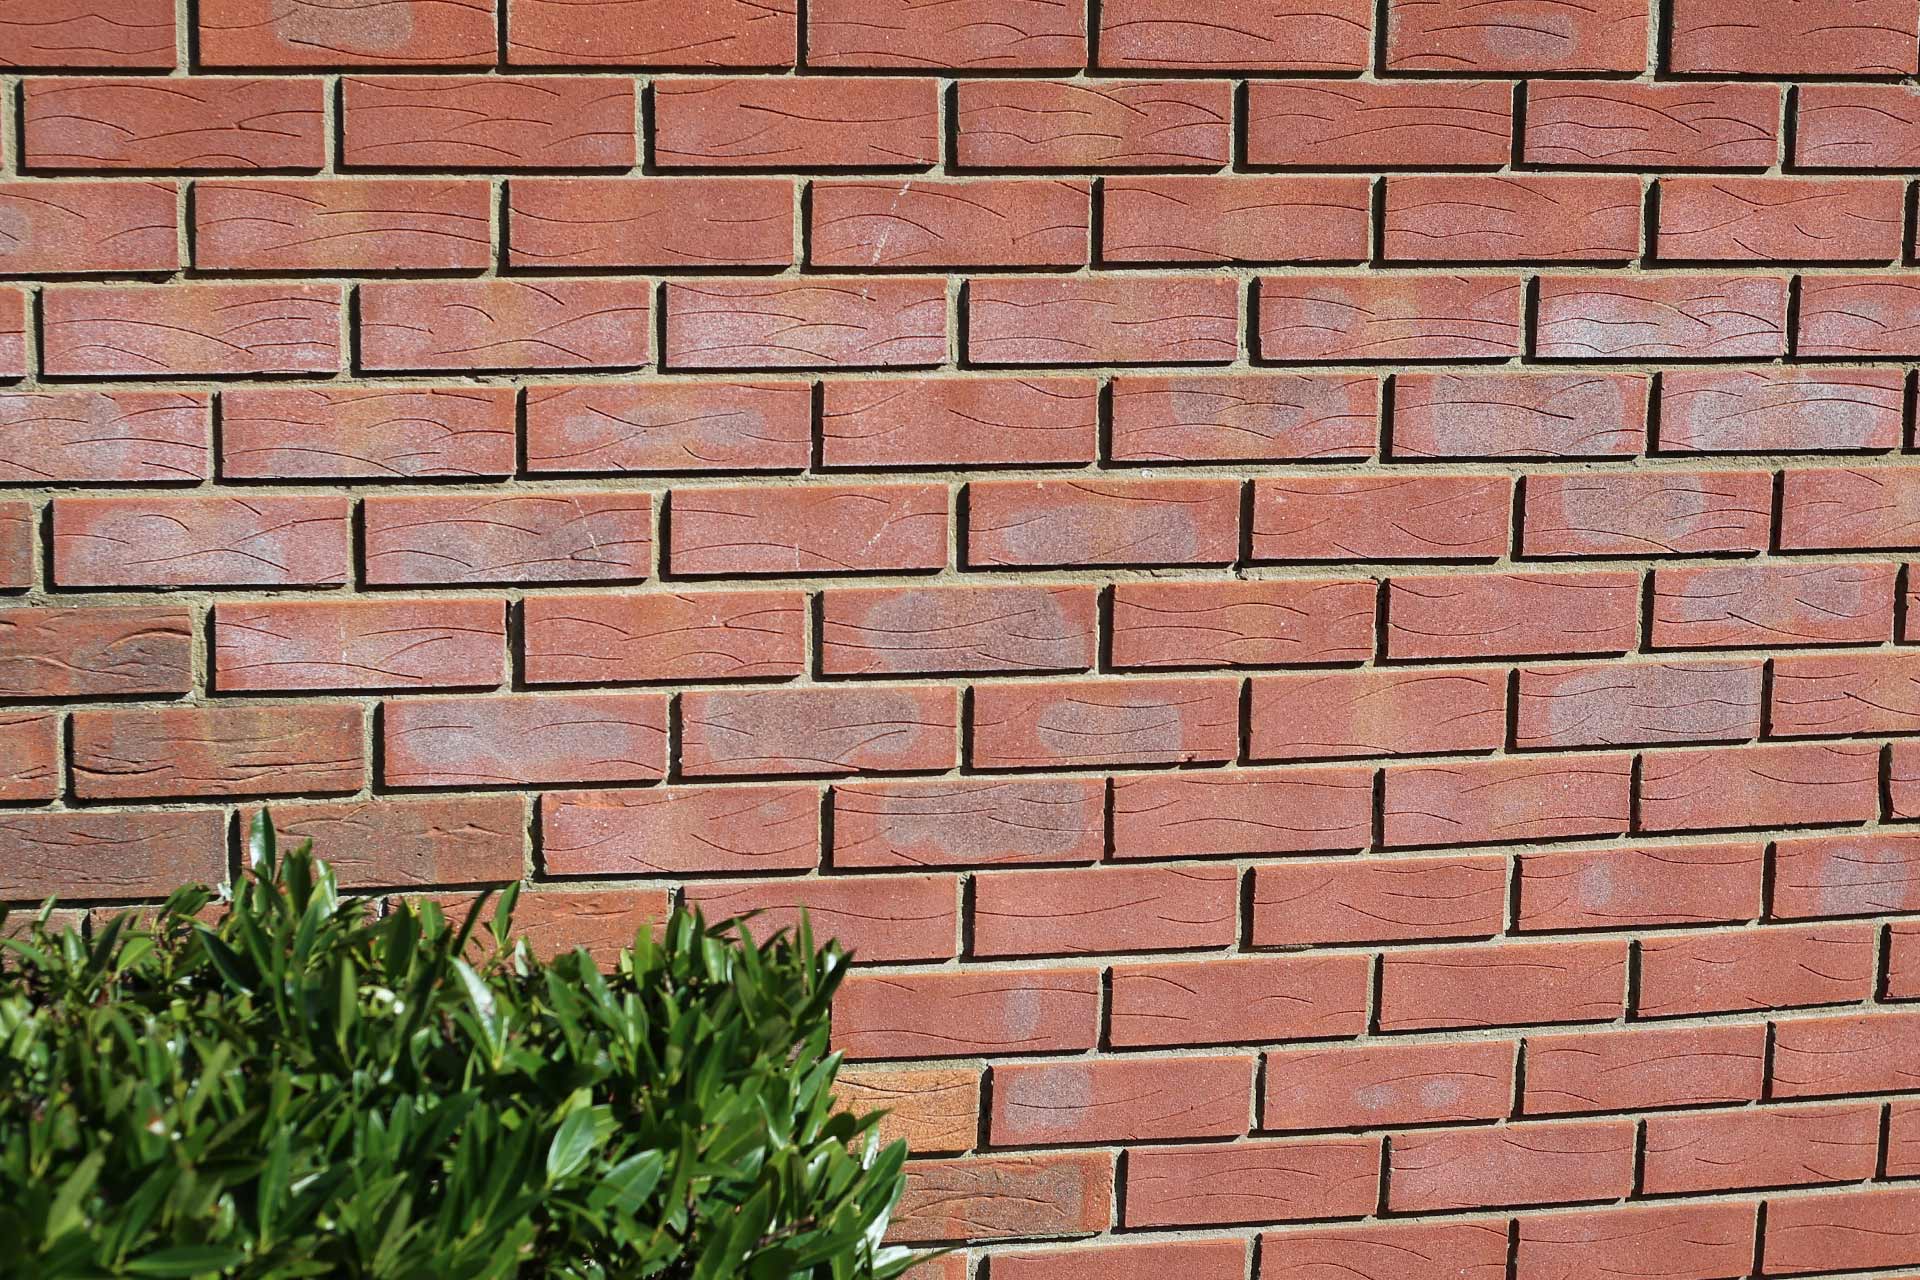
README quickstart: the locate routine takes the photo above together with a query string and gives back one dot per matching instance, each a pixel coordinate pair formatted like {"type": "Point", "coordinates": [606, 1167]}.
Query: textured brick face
{"type": "Point", "coordinates": [1324, 591]}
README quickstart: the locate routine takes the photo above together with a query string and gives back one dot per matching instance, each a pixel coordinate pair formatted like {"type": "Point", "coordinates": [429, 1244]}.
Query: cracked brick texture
{"type": "Point", "coordinates": [1322, 590]}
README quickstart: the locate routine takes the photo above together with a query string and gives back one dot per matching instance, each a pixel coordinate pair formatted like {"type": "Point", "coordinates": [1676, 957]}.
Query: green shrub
{"type": "Point", "coordinates": [303, 1090]}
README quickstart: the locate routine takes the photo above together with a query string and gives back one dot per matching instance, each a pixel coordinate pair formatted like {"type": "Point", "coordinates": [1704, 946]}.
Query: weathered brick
{"type": "Point", "coordinates": [662, 425]}
{"type": "Point", "coordinates": [1487, 615]}
{"type": "Point", "coordinates": [1079, 910]}
{"type": "Point", "coordinates": [1664, 317]}
{"type": "Point", "coordinates": [1640, 1068]}
{"type": "Point", "coordinates": [1776, 968]}
{"type": "Point", "coordinates": [1273, 622]}
{"type": "Point", "coordinates": [1542, 1162]}
{"type": "Point", "coordinates": [553, 922]}
{"type": "Point", "coordinates": [1779, 219]}
{"type": "Point", "coordinates": [255, 749]}
{"type": "Point", "coordinates": [1113, 124]}
{"type": "Point", "coordinates": [201, 541]}
{"type": "Point", "coordinates": [56, 437]}
{"type": "Point", "coordinates": [1077, 723]}
{"type": "Point", "coordinates": [470, 325]}
{"type": "Point", "coordinates": [1844, 693]}
{"type": "Point", "coordinates": [1236, 218]}
{"type": "Point", "coordinates": [568, 224]}
{"type": "Point", "coordinates": [884, 919]}
{"type": "Point", "coordinates": [922, 1015]}
{"type": "Point", "coordinates": [1143, 1260]}
{"type": "Point", "coordinates": [1379, 900]}
{"type": "Point", "coordinates": [378, 643]}
{"type": "Point", "coordinates": [1846, 1054]}
{"type": "Point", "coordinates": [813, 529]}
{"type": "Point", "coordinates": [1850, 1230]}
{"type": "Point", "coordinates": [1025, 34]}
{"type": "Point", "coordinates": [694, 33]}
{"type": "Point", "coordinates": [1398, 517]}
{"type": "Point", "coordinates": [1103, 320]}
{"type": "Point", "coordinates": [1619, 704]}
{"type": "Point", "coordinates": [820, 322]}
{"type": "Point", "coordinates": [968, 822]}
{"type": "Point", "coordinates": [1851, 316]}
{"type": "Point", "coordinates": [1387, 316]}
{"type": "Point", "coordinates": [1709, 1151]}
{"type": "Point", "coordinates": [1669, 1242]}
{"type": "Point", "coordinates": [88, 228]}
{"type": "Point", "coordinates": [1382, 711]}
{"type": "Point", "coordinates": [823, 730]}
{"type": "Point", "coordinates": [1502, 984]}
{"type": "Point", "coordinates": [1780, 37]}
{"type": "Point", "coordinates": [1397, 1251]}
{"type": "Point", "coordinates": [1245, 811]}
{"type": "Point", "coordinates": [1843, 509]}
{"type": "Point", "coordinates": [1130, 1099]}
{"type": "Point", "coordinates": [1505, 415]}
{"type": "Point", "coordinates": [935, 1110]}
{"type": "Point", "coordinates": [191, 329]}
{"type": "Point", "coordinates": [1856, 126]}
{"type": "Point", "coordinates": [1652, 126]}
{"type": "Point", "coordinates": [1646, 513]}
{"type": "Point", "coordinates": [1388, 124]}
{"type": "Point", "coordinates": [1627, 888]}
{"type": "Point", "coordinates": [16, 546]}
{"type": "Point", "coordinates": [1252, 1182]}
{"type": "Point", "coordinates": [93, 854]}
{"type": "Point", "coordinates": [342, 224]}
{"type": "Point", "coordinates": [926, 630]}
{"type": "Point", "coordinates": [1853, 874]}
{"type": "Point", "coordinates": [1772, 603]}
{"type": "Point", "coordinates": [1513, 36]}
{"type": "Point", "coordinates": [487, 122]}
{"type": "Point", "coordinates": [199, 124]}
{"type": "Point", "coordinates": [985, 222]}
{"type": "Point", "coordinates": [1085, 522]}
{"type": "Point", "coordinates": [546, 536]}
{"type": "Point", "coordinates": [1511, 218]}
{"type": "Point", "coordinates": [795, 123]}
{"type": "Point", "coordinates": [13, 334]}
{"type": "Point", "coordinates": [1367, 1086]}
{"type": "Point", "coordinates": [678, 830]}
{"type": "Point", "coordinates": [396, 843]}
{"type": "Point", "coordinates": [988, 1197]}
{"type": "Point", "coordinates": [1221, 35]}
{"type": "Point", "coordinates": [550, 739]}
{"type": "Point", "coordinates": [94, 651]}
{"type": "Point", "coordinates": [1272, 417]}
{"type": "Point", "coordinates": [1774, 785]}
{"type": "Point", "coordinates": [1779, 411]}
{"type": "Point", "coordinates": [29, 755]}
{"type": "Point", "coordinates": [1262, 998]}
{"type": "Point", "coordinates": [364, 33]}
{"type": "Point", "coordinates": [58, 34]}
{"type": "Point", "coordinates": [365, 433]}
{"type": "Point", "coordinates": [659, 635]}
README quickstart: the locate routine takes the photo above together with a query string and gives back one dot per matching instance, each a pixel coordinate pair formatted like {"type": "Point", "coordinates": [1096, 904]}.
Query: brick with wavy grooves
{"type": "Point", "coordinates": [557, 921]}
{"type": "Point", "coordinates": [341, 224]}
{"type": "Point", "coordinates": [947, 1014]}
{"type": "Point", "coordinates": [1646, 514]}
{"type": "Point", "coordinates": [676, 830]}
{"type": "Point", "coordinates": [1836, 509]}
{"type": "Point", "coordinates": [1074, 724]}
{"type": "Point", "coordinates": [820, 322]}
{"type": "Point", "coordinates": [1511, 218]}
{"type": "Point", "coordinates": [1843, 1055]}
{"type": "Point", "coordinates": [366, 433]}
{"type": "Point", "coordinates": [1403, 900]}
{"type": "Point", "coordinates": [1340, 1086]}
{"type": "Point", "coordinates": [205, 124]}
{"type": "Point", "coordinates": [190, 330]}
{"type": "Point", "coordinates": [1629, 1070]}
{"type": "Point", "coordinates": [398, 843]}
{"type": "Point", "coordinates": [16, 546]}
{"type": "Point", "coordinates": [1334, 1177]}
{"type": "Point", "coordinates": [664, 426]}
{"type": "Point", "coordinates": [347, 33]}
{"type": "Point", "coordinates": [1785, 38]}
{"type": "Point", "coordinates": [30, 749]}
{"type": "Point", "coordinates": [1772, 603]}
{"type": "Point", "coordinates": [1397, 1251]}
{"type": "Point", "coordinates": [1170, 418]}
{"type": "Point", "coordinates": [1685, 1240]}
{"type": "Point", "coordinates": [1683, 317]}
{"type": "Point", "coordinates": [88, 228]}
{"type": "Point", "coordinates": [61, 34]}
{"type": "Point", "coordinates": [86, 436]}
{"type": "Point", "coordinates": [1485, 801]}
{"type": "Point", "coordinates": [1076, 522]}
{"type": "Point", "coordinates": [1116, 124]}
{"type": "Point", "coordinates": [1761, 969]}
{"type": "Point", "coordinates": [462, 325]}
{"type": "Point", "coordinates": [1775, 785]}
{"type": "Point", "coordinates": [929, 34]}
{"type": "Point", "coordinates": [130, 853]}
{"type": "Point", "coordinates": [793, 123]}
{"type": "Point", "coordinates": [652, 636]}
{"type": "Point", "coordinates": [1242, 812]}
{"type": "Point", "coordinates": [1857, 126]}
{"type": "Point", "coordinates": [968, 822]}
{"type": "Point", "coordinates": [943, 422]}
{"type": "Point", "coordinates": [990, 1197]}
{"type": "Point", "coordinates": [1539, 1162]}
{"type": "Point", "coordinates": [1512, 615]}
{"type": "Point", "coordinates": [1190, 1259]}
{"type": "Point", "coordinates": [809, 529]}
{"type": "Point", "coordinates": [1519, 415]}
{"type": "Point", "coordinates": [201, 541]}
{"type": "Point", "coordinates": [1652, 126]}
{"type": "Point", "coordinates": [1119, 1100]}
{"type": "Point", "coordinates": [882, 919]}
{"type": "Point", "coordinates": [1221, 35]}
{"type": "Point", "coordinates": [518, 739]}
{"type": "Point", "coordinates": [663, 224]}
{"type": "Point", "coordinates": [1854, 317]}
{"type": "Point", "coordinates": [95, 651]}
{"type": "Point", "coordinates": [1636, 704]}
{"type": "Point", "coordinates": [1347, 124]}
{"type": "Point", "coordinates": [1389, 316]}
{"type": "Point", "coordinates": [647, 34]}
{"type": "Point", "coordinates": [507, 538]}
{"type": "Point", "coordinates": [1103, 320]}
{"type": "Point", "coordinates": [1879, 1227]}
{"type": "Point", "coordinates": [1396, 518]}
{"type": "Point", "coordinates": [1509, 37]}
{"type": "Point", "coordinates": [13, 334]}
{"type": "Point", "coordinates": [935, 1109]}
{"type": "Point", "coordinates": [895, 729]}
{"type": "Point", "coordinates": [981, 222]}
{"type": "Point", "coordinates": [1241, 218]}
{"type": "Point", "coordinates": [1772, 1146]}
{"type": "Point", "coordinates": [1236, 1001]}
{"type": "Point", "coordinates": [487, 122]}
{"type": "Point", "coordinates": [380, 643]}
{"type": "Point", "coordinates": [932, 630]}
{"type": "Point", "coordinates": [1091, 910]}
{"type": "Point", "coordinates": [1274, 622]}
{"type": "Point", "coordinates": [236, 749]}
{"type": "Point", "coordinates": [1845, 693]}
{"type": "Point", "coordinates": [1312, 716]}
{"type": "Point", "coordinates": [1779, 410]}
{"type": "Point", "coordinates": [1740, 219]}
{"type": "Point", "coordinates": [1851, 874]}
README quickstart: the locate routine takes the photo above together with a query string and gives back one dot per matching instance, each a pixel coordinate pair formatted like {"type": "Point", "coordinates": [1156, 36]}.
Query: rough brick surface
{"type": "Point", "coordinates": [1325, 591]}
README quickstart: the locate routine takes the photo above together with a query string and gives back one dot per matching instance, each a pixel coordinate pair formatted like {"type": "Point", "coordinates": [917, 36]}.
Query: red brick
{"type": "Point", "coordinates": [1246, 811]}
{"type": "Point", "coordinates": [365, 433]}
{"type": "Point", "coordinates": [1652, 126]}
{"type": "Point", "coordinates": [1507, 36]}
{"type": "Point", "coordinates": [1079, 910]}
{"type": "Point", "coordinates": [1367, 1086]}
{"type": "Point", "coordinates": [1265, 623]}
{"type": "Point", "coordinates": [1113, 124]}
{"type": "Point", "coordinates": [887, 919]}
{"type": "Point", "coordinates": [1779, 411]}
{"type": "Point", "coordinates": [80, 228]}
{"type": "Point", "coordinates": [255, 749]}
{"type": "Point", "coordinates": [1646, 513]}
{"type": "Point", "coordinates": [935, 1111]}
{"type": "Point", "coordinates": [1854, 316]}
{"type": "Point", "coordinates": [1772, 603]}
{"type": "Point", "coordinates": [1106, 522]}
{"type": "Point", "coordinates": [1776, 968]}
{"type": "Point", "coordinates": [200, 541]}
{"type": "Point", "coordinates": [1846, 1231]}
{"type": "Point", "coordinates": [1222, 35]}
{"type": "Point", "coordinates": [13, 334]}
{"type": "Point", "coordinates": [556, 922]}
{"type": "Point", "coordinates": [94, 651]}
{"type": "Point", "coordinates": [394, 843]}
{"type": "Point", "coordinates": [813, 529]}
{"type": "Point", "coordinates": [1550, 1162]}
{"type": "Point", "coordinates": [679, 830]}
{"type": "Point", "coordinates": [1023, 34]}
{"type": "Point", "coordinates": [968, 822]}
{"type": "Point", "coordinates": [950, 1014]}
{"type": "Point", "coordinates": [1780, 219]}
{"type": "Point", "coordinates": [1344, 124]}
{"type": "Point", "coordinates": [505, 324]}
{"type": "Point", "coordinates": [1839, 509]}
{"type": "Point", "coordinates": [820, 730]}
{"type": "Point", "coordinates": [1867, 1054]}
{"type": "Point", "coordinates": [126, 854]}
{"type": "Point", "coordinates": [690, 33]}
{"type": "Point", "coordinates": [986, 222]}
{"type": "Point", "coordinates": [342, 224]}
{"type": "Point", "coordinates": [517, 738]}
{"type": "Point", "coordinates": [819, 322]}
{"type": "Point", "coordinates": [1252, 1182]}
{"type": "Point", "coordinates": [1381, 711]}
{"type": "Point", "coordinates": [57, 34]}
{"type": "Point", "coordinates": [310, 33]}
{"type": "Point", "coordinates": [1511, 218]}
{"type": "Point", "coordinates": [1378, 900]}
{"type": "Point", "coordinates": [1385, 316]}
{"type": "Point", "coordinates": [1263, 998]}
{"type": "Point", "coordinates": [1660, 317]}
{"type": "Point", "coordinates": [663, 223]}
{"type": "Point", "coordinates": [1627, 888]}
{"type": "Point", "coordinates": [1400, 517]}
{"type": "Point", "coordinates": [1856, 126]}
{"type": "Point", "coordinates": [17, 521]}
{"type": "Point", "coordinates": [1103, 320]}
{"type": "Point", "coordinates": [1858, 873]}
{"type": "Point", "coordinates": [1511, 614]}
{"type": "Point", "coordinates": [1524, 415]}
{"type": "Point", "coordinates": [511, 537]}
{"type": "Point", "coordinates": [921, 630]}
{"type": "Point", "coordinates": [1845, 693]}
{"type": "Point", "coordinates": [189, 329]}
{"type": "Point", "coordinates": [1903, 772]}
{"type": "Point", "coordinates": [29, 755]}
{"type": "Point", "coordinates": [1782, 37]}
{"type": "Point", "coordinates": [1903, 1139]}
{"type": "Point", "coordinates": [1237, 218]}
{"type": "Point", "coordinates": [988, 1197]}
{"type": "Point", "coordinates": [487, 122]}
{"type": "Point", "coordinates": [84, 436]}
{"type": "Point", "coordinates": [1680, 1242]}
{"type": "Point", "coordinates": [1131, 1099]}
{"type": "Point", "coordinates": [1501, 984]}
{"type": "Point", "coordinates": [201, 124]}
{"type": "Point", "coordinates": [649, 425]}
{"type": "Point", "coordinates": [1270, 417]}
{"type": "Point", "coordinates": [378, 643]}
{"type": "Point", "coordinates": [1618, 704]}
{"type": "Point", "coordinates": [1401, 1251]}
{"type": "Point", "coordinates": [647, 636]}
{"type": "Point", "coordinates": [954, 422]}
{"type": "Point", "coordinates": [1080, 723]}
{"type": "Point", "coordinates": [1635, 1069]}
{"type": "Point", "coordinates": [796, 123]}
{"type": "Point", "coordinates": [1146, 1260]}
{"type": "Point", "coordinates": [1760, 1147]}
{"type": "Point", "coordinates": [1775, 785]}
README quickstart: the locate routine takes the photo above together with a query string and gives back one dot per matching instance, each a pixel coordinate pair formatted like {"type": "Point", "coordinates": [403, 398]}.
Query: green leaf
{"type": "Point", "coordinates": [187, 1260]}
{"type": "Point", "coordinates": [572, 1144]}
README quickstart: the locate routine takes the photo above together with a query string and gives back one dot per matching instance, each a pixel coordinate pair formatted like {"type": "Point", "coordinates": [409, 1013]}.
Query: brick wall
{"type": "Point", "coordinates": [1319, 587]}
